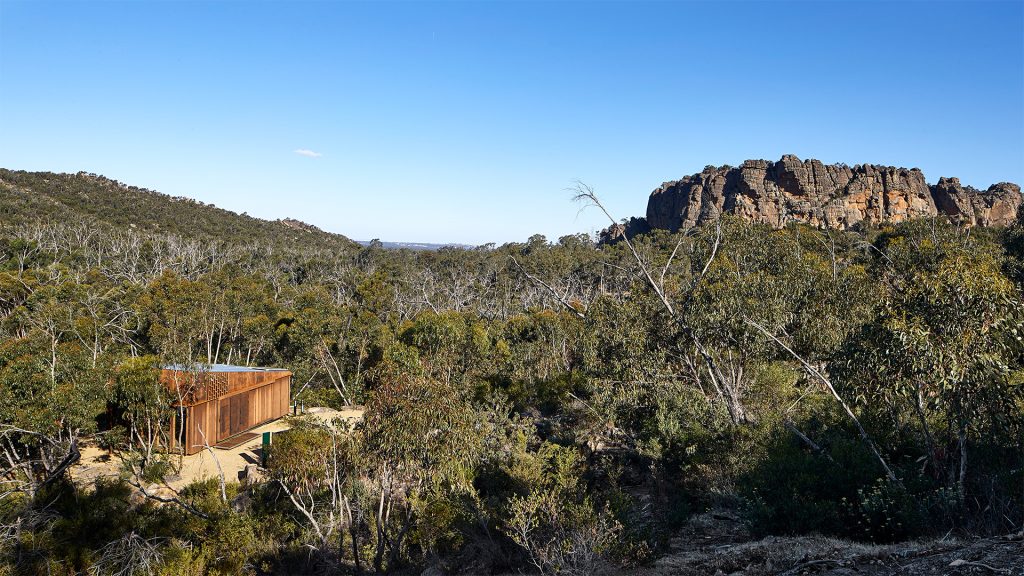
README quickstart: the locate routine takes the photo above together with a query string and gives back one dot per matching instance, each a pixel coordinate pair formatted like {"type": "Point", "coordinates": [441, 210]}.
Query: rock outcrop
{"type": "Point", "coordinates": [825, 195]}
{"type": "Point", "coordinates": [996, 206]}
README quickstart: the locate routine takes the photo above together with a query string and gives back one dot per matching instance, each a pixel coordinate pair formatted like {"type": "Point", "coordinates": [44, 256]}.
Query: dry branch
{"type": "Point", "coordinates": [828, 384]}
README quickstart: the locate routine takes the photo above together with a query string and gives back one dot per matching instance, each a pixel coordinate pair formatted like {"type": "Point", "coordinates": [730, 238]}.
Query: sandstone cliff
{"type": "Point", "coordinates": [833, 196]}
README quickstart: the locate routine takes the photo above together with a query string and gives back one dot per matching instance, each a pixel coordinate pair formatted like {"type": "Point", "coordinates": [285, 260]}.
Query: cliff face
{"type": "Point", "coordinates": [832, 196]}
{"type": "Point", "coordinates": [997, 206]}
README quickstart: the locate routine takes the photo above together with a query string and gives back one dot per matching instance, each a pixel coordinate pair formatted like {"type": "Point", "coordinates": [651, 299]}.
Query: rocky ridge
{"type": "Point", "coordinates": [823, 195]}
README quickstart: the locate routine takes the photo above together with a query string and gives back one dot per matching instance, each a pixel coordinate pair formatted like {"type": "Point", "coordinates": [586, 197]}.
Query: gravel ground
{"type": "Point", "coordinates": [96, 463]}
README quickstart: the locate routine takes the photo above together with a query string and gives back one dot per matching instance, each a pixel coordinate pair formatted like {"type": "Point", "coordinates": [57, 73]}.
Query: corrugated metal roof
{"type": "Point", "coordinates": [220, 368]}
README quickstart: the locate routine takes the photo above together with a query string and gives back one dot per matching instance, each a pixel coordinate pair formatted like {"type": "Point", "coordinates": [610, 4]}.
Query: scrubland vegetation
{"type": "Point", "coordinates": [557, 407]}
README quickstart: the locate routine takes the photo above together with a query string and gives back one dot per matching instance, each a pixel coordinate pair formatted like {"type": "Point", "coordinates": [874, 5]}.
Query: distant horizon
{"type": "Point", "coordinates": [458, 244]}
{"type": "Point", "coordinates": [466, 123]}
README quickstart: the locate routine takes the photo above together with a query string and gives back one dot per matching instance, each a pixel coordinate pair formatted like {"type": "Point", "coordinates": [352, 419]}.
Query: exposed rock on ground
{"type": "Point", "coordinates": [717, 545]}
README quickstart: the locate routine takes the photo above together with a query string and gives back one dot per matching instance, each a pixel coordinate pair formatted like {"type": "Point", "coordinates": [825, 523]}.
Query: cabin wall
{"type": "Point", "coordinates": [233, 413]}
{"type": "Point", "coordinates": [270, 401]}
{"type": "Point", "coordinates": [200, 422]}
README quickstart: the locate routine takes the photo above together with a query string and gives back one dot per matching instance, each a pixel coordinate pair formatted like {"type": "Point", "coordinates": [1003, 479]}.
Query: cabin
{"type": "Point", "coordinates": [214, 403]}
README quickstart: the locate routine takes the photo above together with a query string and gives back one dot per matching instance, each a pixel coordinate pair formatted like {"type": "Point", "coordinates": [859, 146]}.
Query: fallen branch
{"type": "Point", "coordinates": [961, 562]}
{"type": "Point", "coordinates": [165, 500]}
{"type": "Point", "coordinates": [817, 449]}
{"type": "Point", "coordinates": [817, 374]}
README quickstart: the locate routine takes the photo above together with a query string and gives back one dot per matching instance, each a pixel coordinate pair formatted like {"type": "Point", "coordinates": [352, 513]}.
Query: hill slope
{"type": "Point", "coordinates": [27, 197]}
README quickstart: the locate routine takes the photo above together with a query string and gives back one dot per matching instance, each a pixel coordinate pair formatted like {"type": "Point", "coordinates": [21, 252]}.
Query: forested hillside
{"type": "Point", "coordinates": [557, 407]}
{"type": "Point", "coordinates": [109, 205]}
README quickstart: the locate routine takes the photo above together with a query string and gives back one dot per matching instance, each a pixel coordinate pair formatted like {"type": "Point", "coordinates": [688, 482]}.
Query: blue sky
{"type": "Point", "coordinates": [466, 122]}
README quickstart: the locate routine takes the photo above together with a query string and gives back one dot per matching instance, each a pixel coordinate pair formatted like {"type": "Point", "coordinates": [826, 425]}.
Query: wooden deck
{"type": "Point", "coordinates": [236, 441]}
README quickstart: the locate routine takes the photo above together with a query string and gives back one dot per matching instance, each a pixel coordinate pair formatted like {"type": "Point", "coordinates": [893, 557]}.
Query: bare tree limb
{"type": "Point", "coordinates": [554, 293]}
{"type": "Point", "coordinates": [220, 471]}
{"type": "Point", "coordinates": [304, 511]}
{"type": "Point", "coordinates": [661, 279]}
{"type": "Point", "coordinates": [165, 500]}
{"type": "Point", "coordinates": [585, 193]}
{"type": "Point", "coordinates": [828, 384]}
{"type": "Point", "coordinates": [814, 446]}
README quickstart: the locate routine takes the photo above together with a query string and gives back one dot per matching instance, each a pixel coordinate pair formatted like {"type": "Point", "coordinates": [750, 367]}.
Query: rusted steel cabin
{"type": "Point", "coordinates": [214, 403]}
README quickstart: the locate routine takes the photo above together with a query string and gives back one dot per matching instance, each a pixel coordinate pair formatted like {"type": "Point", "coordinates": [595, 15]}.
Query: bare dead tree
{"type": "Point", "coordinates": [586, 194]}
{"type": "Point", "coordinates": [130, 555]}
{"type": "Point", "coordinates": [216, 461]}
{"type": "Point", "coordinates": [330, 365]}
{"type": "Point", "coordinates": [562, 298]}
{"type": "Point", "coordinates": [729, 387]}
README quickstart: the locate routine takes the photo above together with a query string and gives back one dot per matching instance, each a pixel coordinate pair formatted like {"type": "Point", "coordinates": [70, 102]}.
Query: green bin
{"type": "Point", "coordinates": [266, 448]}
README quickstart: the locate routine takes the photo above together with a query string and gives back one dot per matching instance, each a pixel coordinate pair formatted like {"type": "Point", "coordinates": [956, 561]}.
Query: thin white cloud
{"type": "Point", "coordinates": [308, 153]}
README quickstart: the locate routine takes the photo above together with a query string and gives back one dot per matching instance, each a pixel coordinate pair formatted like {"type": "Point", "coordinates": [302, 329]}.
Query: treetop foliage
{"type": "Point", "coordinates": [561, 406]}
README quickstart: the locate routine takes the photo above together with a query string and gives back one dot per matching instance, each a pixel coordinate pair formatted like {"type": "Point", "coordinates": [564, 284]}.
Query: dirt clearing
{"type": "Point", "coordinates": [95, 463]}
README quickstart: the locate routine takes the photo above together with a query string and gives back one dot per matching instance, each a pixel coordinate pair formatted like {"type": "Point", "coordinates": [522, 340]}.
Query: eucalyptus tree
{"type": "Point", "coordinates": [421, 438]}
{"type": "Point", "coordinates": [320, 468]}
{"type": "Point", "coordinates": [50, 397]}
{"type": "Point", "coordinates": [144, 403]}
{"type": "Point", "coordinates": [453, 346]}
{"type": "Point", "coordinates": [942, 351]}
{"type": "Point", "coordinates": [172, 309]}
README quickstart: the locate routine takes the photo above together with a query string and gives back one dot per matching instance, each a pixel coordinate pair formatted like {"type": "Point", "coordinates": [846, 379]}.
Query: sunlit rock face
{"type": "Point", "coordinates": [996, 206]}
{"type": "Point", "coordinates": [825, 195]}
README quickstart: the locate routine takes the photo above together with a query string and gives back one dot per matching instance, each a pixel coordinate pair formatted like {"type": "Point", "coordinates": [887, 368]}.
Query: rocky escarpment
{"type": "Point", "coordinates": [997, 206]}
{"type": "Point", "coordinates": [825, 195]}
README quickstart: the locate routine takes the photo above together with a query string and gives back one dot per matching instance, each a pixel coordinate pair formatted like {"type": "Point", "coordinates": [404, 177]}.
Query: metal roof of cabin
{"type": "Point", "coordinates": [220, 368]}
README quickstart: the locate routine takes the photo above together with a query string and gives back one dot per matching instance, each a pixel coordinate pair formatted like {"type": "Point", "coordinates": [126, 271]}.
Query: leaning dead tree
{"type": "Point", "coordinates": [864, 436]}
{"type": "Point", "coordinates": [723, 380]}
{"type": "Point", "coordinates": [726, 382]}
